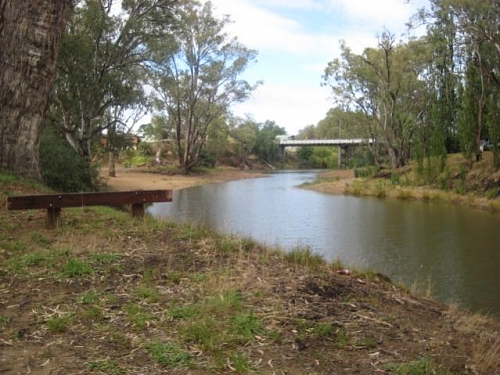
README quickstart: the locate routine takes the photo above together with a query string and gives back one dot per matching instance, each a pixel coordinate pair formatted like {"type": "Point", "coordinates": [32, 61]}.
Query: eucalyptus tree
{"type": "Point", "coordinates": [103, 64]}
{"type": "Point", "coordinates": [384, 83]}
{"type": "Point", "coordinates": [244, 134]}
{"type": "Point", "coordinates": [471, 30]}
{"type": "Point", "coordinates": [340, 123]}
{"type": "Point", "coordinates": [158, 130]}
{"type": "Point", "coordinates": [200, 81]}
{"type": "Point", "coordinates": [30, 35]}
{"type": "Point", "coordinates": [266, 146]}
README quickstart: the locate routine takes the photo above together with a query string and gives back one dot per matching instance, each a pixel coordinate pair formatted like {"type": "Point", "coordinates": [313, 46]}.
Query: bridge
{"type": "Point", "coordinates": [345, 145]}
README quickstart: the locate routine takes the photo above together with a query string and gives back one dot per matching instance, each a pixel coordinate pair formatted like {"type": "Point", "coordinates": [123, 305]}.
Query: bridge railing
{"type": "Point", "coordinates": [323, 142]}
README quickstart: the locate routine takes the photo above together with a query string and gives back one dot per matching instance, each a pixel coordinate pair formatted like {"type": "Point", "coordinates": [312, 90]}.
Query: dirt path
{"type": "Point", "coordinates": [133, 178]}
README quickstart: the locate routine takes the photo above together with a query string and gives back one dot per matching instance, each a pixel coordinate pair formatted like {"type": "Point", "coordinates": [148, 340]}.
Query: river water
{"type": "Point", "coordinates": [455, 249]}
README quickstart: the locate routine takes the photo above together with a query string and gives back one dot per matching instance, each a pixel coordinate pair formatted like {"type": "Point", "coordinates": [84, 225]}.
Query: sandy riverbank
{"type": "Point", "coordinates": [144, 178]}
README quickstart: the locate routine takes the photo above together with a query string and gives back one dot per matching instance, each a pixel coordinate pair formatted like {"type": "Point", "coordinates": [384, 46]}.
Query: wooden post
{"type": "Point", "coordinates": [53, 218]}
{"type": "Point", "coordinates": [137, 211]}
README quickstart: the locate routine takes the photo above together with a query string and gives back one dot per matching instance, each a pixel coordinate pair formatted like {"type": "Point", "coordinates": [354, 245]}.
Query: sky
{"type": "Point", "coordinates": [295, 40]}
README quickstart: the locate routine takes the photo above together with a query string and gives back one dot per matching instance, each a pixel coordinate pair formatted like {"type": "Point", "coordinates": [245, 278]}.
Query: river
{"type": "Point", "coordinates": [455, 249]}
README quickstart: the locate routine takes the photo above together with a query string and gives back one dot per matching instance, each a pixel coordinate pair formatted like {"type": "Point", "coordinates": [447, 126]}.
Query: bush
{"type": "Point", "coordinates": [62, 168]}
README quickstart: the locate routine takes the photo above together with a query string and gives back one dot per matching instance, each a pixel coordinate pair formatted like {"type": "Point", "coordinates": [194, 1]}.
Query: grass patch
{"type": "Point", "coordinates": [106, 366]}
{"type": "Point", "coordinates": [88, 297]}
{"type": "Point", "coordinates": [169, 354]}
{"type": "Point", "coordinates": [59, 324]}
{"type": "Point", "coordinates": [75, 268]}
{"type": "Point", "coordinates": [405, 194]}
{"type": "Point", "coordinates": [22, 262]}
{"type": "Point", "coordinates": [424, 366]}
{"type": "Point", "coordinates": [149, 294]}
{"type": "Point", "coordinates": [304, 256]}
{"type": "Point", "coordinates": [138, 316]}
{"type": "Point", "coordinates": [105, 258]}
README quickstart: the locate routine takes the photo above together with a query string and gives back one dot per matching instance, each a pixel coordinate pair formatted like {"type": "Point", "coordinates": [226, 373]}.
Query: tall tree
{"type": "Point", "coordinates": [382, 83]}
{"type": "Point", "coordinates": [266, 146]}
{"type": "Point", "coordinates": [30, 36]}
{"type": "Point", "coordinates": [201, 80]}
{"type": "Point", "coordinates": [103, 63]}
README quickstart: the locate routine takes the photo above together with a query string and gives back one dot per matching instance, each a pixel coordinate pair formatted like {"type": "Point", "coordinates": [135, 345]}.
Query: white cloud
{"type": "Point", "coordinates": [296, 39]}
{"type": "Point", "coordinates": [289, 105]}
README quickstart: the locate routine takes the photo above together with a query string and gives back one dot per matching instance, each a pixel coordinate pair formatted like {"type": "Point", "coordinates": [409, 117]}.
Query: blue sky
{"type": "Point", "coordinates": [295, 40]}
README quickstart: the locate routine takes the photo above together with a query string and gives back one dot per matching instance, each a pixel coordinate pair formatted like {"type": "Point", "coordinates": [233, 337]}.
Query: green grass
{"type": "Point", "coordinates": [40, 239]}
{"type": "Point", "coordinates": [423, 366]}
{"type": "Point", "coordinates": [169, 354]}
{"type": "Point", "coordinates": [76, 268]}
{"type": "Point", "coordinates": [106, 366]}
{"type": "Point", "coordinates": [59, 324]}
{"type": "Point", "coordinates": [149, 294]}
{"type": "Point", "coordinates": [105, 258]}
{"type": "Point", "coordinates": [88, 297]}
{"type": "Point", "coordinates": [22, 262]}
{"type": "Point", "coordinates": [303, 256]}
{"type": "Point", "coordinates": [138, 316]}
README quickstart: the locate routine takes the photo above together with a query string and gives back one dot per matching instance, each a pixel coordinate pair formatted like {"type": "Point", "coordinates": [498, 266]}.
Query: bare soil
{"type": "Point", "coordinates": [150, 178]}
{"type": "Point", "coordinates": [108, 295]}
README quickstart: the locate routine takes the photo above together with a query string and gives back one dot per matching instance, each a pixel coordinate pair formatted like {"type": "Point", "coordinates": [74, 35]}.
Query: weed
{"type": "Point", "coordinates": [119, 340]}
{"type": "Point", "coordinates": [76, 268]}
{"type": "Point", "coordinates": [21, 262]}
{"type": "Point", "coordinates": [380, 191]}
{"type": "Point", "coordinates": [88, 298]}
{"type": "Point", "coordinates": [405, 194]}
{"type": "Point", "coordinates": [93, 313]}
{"type": "Point", "coordinates": [40, 239]}
{"type": "Point", "coordinates": [59, 324]}
{"type": "Point", "coordinates": [239, 363]}
{"type": "Point", "coordinates": [492, 193]}
{"type": "Point", "coordinates": [323, 329]}
{"type": "Point", "coordinates": [228, 245]}
{"type": "Point", "coordinates": [149, 294]}
{"type": "Point", "coordinates": [486, 356]}
{"type": "Point", "coordinates": [342, 338]}
{"type": "Point", "coordinates": [190, 232]}
{"type": "Point", "coordinates": [169, 354]}
{"type": "Point", "coordinates": [245, 327]}
{"type": "Point", "coordinates": [7, 179]}
{"type": "Point", "coordinates": [423, 366]}
{"type": "Point", "coordinates": [184, 312]}
{"type": "Point", "coordinates": [394, 179]}
{"type": "Point", "coordinates": [106, 366]}
{"type": "Point", "coordinates": [139, 318]}
{"type": "Point", "coordinates": [303, 256]}
{"type": "Point", "coordinates": [105, 258]}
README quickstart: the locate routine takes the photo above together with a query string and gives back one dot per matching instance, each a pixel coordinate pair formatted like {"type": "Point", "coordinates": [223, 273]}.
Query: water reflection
{"type": "Point", "coordinates": [456, 248]}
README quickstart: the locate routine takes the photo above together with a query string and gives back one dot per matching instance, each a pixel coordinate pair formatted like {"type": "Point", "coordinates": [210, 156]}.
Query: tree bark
{"type": "Point", "coordinates": [30, 36]}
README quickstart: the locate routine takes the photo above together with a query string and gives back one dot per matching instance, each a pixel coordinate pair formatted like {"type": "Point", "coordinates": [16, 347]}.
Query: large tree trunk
{"type": "Point", "coordinates": [30, 35]}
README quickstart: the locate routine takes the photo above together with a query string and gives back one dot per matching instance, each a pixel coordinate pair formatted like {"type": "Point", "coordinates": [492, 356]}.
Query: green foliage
{"type": "Point", "coordinates": [144, 150]}
{"type": "Point", "coordinates": [7, 179]}
{"type": "Point", "coordinates": [266, 147]}
{"type": "Point", "coordinates": [318, 157]}
{"type": "Point", "coordinates": [62, 168]}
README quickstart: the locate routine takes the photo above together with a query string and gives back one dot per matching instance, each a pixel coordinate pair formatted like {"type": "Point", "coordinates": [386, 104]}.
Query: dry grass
{"type": "Point", "coordinates": [106, 295]}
